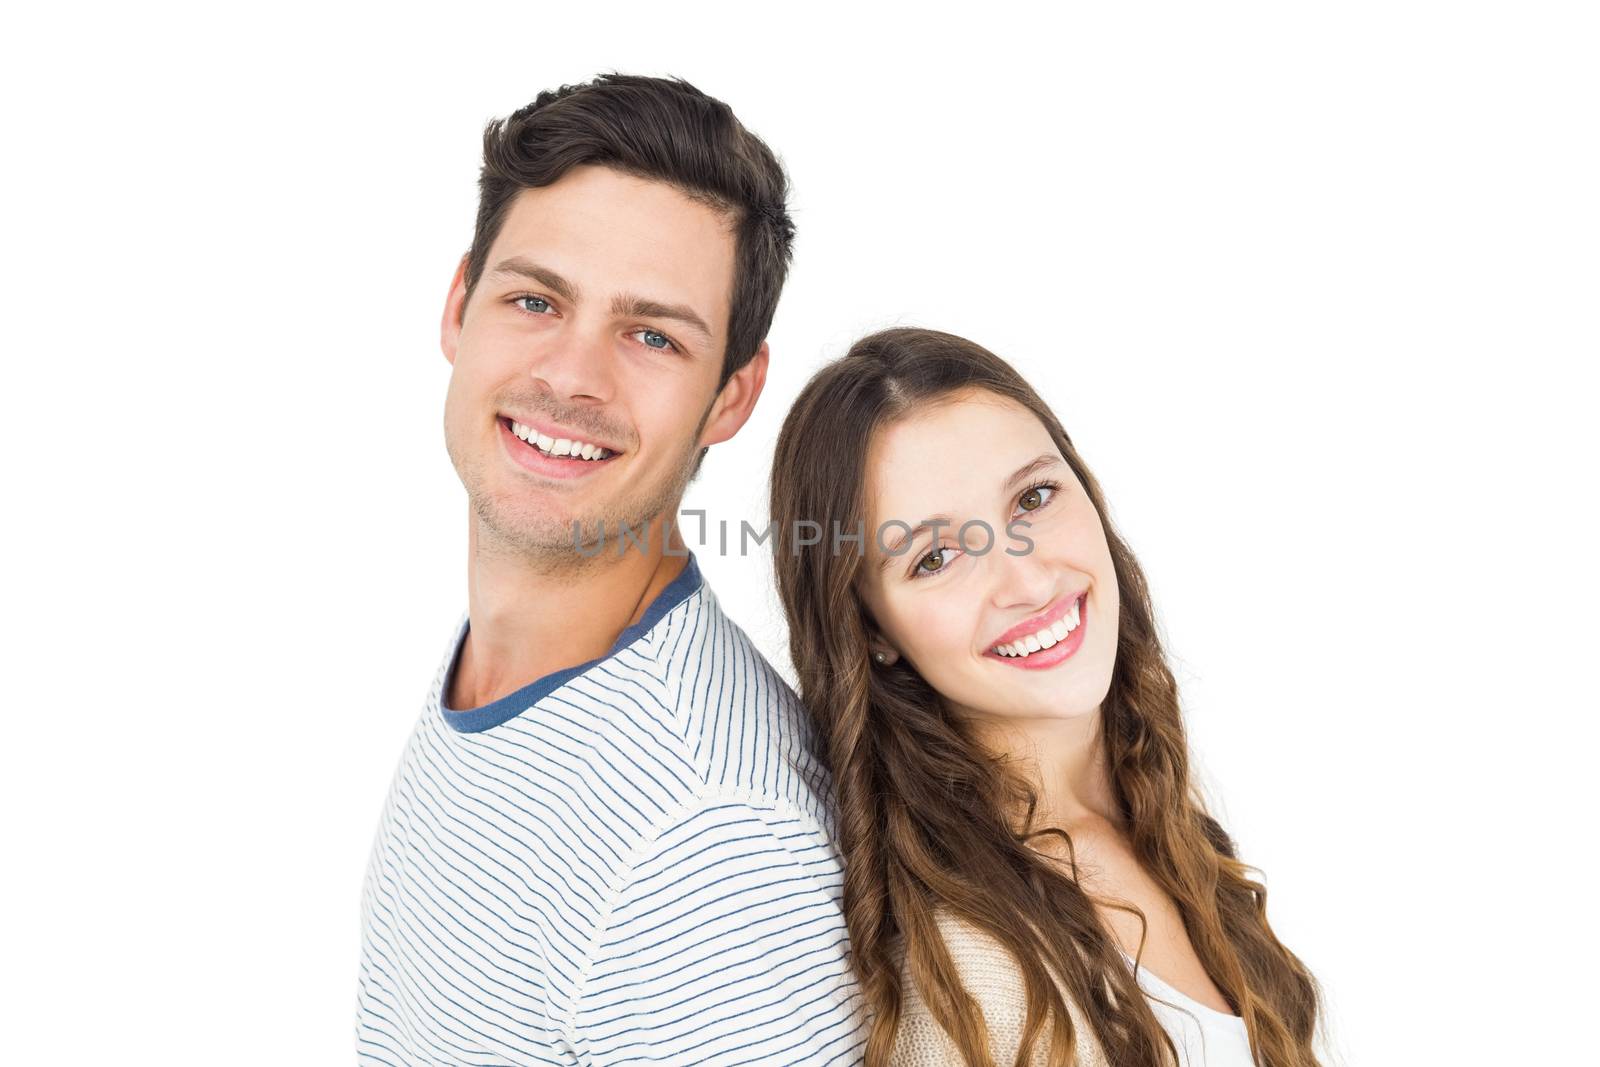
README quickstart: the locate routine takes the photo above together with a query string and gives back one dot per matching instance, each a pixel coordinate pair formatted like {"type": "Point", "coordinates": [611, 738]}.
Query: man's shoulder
{"type": "Point", "coordinates": [709, 661]}
{"type": "Point", "coordinates": [745, 727]}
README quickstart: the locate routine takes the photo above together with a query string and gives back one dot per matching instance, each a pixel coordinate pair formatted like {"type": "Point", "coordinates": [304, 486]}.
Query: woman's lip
{"type": "Point", "coordinates": [1039, 621]}
{"type": "Point", "coordinates": [1056, 653]}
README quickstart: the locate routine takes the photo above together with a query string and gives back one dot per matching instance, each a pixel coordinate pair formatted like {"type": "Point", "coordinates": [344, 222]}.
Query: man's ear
{"type": "Point", "coordinates": [455, 303]}
{"type": "Point", "coordinates": [737, 400]}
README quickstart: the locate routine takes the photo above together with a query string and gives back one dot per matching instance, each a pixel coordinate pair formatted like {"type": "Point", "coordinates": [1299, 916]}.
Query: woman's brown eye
{"type": "Point", "coordinates": [938, 560]}
{"type": "Point", "coordinates": [1037, 497]}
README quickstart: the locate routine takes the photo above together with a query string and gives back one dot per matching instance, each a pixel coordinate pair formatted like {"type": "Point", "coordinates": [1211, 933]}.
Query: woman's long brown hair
{"type": "Point", "coordinates": [928, 819]}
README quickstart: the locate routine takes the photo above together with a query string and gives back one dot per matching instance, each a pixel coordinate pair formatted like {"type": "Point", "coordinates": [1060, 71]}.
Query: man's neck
{"type": "Point", "coordinates": [530, 621]}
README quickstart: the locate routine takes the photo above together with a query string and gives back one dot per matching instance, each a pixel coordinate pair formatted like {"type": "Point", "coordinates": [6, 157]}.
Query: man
{"type": "Point", "coordinates": [608, 840]}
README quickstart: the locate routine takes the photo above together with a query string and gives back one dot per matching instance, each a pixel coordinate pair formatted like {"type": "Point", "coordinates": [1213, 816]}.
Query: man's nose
{"type": "Point", "coordinates": [580, 364]}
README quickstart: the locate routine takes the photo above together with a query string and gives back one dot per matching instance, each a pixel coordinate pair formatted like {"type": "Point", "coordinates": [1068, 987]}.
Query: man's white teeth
{"type": "Point", "coordinates": [1045, 638]}
{"type": "Point", "coordinates": [558, 446]}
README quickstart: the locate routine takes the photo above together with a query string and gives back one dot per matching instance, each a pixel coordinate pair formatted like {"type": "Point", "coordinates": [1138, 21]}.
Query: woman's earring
{"type": "Point", "coordinates": [880, 657]}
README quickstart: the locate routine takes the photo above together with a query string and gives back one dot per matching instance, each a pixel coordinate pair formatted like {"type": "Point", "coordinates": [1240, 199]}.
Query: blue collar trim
{"type": "Point", "coordinates": [476, 720]}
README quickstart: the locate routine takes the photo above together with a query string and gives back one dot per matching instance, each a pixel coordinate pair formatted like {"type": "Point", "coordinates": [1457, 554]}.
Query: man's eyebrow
{"type": "Point", "coordinates": [625, 304]}
{"type": "Point", "coordinates": [630, 306]}
{"type": "Point", "coordinates": [896, 547]}
{"type": "Point", "coordinates": [519, 267]}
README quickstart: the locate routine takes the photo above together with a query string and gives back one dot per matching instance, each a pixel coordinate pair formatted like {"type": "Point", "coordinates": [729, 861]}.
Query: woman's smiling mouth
{"type": "Point", "coordinates": [1047, 640]}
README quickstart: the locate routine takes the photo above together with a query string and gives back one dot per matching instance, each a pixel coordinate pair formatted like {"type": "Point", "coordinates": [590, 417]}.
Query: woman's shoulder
{"type": "Point", "coordinates": [992, 978]}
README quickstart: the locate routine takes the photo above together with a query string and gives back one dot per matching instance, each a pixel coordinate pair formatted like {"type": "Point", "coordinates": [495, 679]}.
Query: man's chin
{"type": "Point", "coordinates": [558, 525]}
{"type": "Point", "coordinates": [584, 537]}
{"type": "Point", "coordinates": [527, 532]}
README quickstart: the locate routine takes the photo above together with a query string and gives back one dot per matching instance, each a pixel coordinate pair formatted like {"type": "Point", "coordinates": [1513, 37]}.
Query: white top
{"type": "Point", "coordinates": [625, 862]}
{"type": "Point", "coordinates": [1205, 1037]}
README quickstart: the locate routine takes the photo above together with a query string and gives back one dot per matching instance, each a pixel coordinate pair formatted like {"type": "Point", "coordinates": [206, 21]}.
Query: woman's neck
{"type": "Point", "coordinates": [1065, 761]}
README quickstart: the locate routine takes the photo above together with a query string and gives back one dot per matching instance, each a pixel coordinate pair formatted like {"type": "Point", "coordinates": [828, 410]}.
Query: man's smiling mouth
{"type": "Point", "coordinates": [557, 447]}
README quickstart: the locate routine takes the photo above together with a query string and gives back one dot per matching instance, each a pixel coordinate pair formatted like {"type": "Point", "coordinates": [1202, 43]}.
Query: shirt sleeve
{"type": "Point", "coordinates": [725, 944]}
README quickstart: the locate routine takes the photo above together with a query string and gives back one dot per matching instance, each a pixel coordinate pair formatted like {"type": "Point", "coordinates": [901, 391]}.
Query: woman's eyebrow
{"type": "Point", "coordinates": [896, 547]}
{"type": "Point", "coordinates": [1032, 467]}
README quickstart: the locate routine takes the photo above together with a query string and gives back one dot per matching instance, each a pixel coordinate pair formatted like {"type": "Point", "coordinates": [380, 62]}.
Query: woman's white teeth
{"type": "Point", "coordinates": [1045, 638]}
{"type": "Point", "coordinates": [558, 446]}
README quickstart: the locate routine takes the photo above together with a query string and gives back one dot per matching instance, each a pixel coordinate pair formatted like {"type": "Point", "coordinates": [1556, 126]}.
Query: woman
{"type": "Point", "coordinates": [1031, 876]}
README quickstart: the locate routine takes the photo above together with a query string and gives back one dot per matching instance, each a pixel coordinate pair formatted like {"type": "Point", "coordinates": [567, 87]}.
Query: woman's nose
{"type": "Point", "coordinates": [1022, 575]}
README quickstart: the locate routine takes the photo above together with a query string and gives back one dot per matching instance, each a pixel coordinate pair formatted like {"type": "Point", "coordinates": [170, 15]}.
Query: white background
{"type": "Point", "coordinates": [1313, 289]}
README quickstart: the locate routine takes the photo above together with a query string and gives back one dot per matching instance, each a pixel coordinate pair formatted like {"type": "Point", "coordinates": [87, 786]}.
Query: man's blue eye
{"type": "Point", "coordinates": [543, 304]}
{"type": "Point", "coordinates": [655, 340]}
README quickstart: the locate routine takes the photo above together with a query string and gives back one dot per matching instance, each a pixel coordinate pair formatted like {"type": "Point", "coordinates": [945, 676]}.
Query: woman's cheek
{"type": "Point", "coordinates": [947, 623]}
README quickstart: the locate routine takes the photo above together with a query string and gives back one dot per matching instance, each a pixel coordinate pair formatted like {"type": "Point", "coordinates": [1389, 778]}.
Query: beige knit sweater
{"type": "Point", "coordinates": [992, 977]}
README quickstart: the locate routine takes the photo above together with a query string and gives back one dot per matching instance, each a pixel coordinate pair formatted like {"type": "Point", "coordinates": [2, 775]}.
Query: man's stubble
{"type": "Point", "coordinates": [539, 541]}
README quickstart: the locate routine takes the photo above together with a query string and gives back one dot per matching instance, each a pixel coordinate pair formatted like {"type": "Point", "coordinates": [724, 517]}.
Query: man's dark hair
{"type": "Point", "coordinates": [662, 129]}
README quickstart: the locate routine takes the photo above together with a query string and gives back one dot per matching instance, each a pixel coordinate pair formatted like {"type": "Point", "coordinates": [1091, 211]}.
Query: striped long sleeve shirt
{"type": "Point", "coordinates": [627, 862]}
